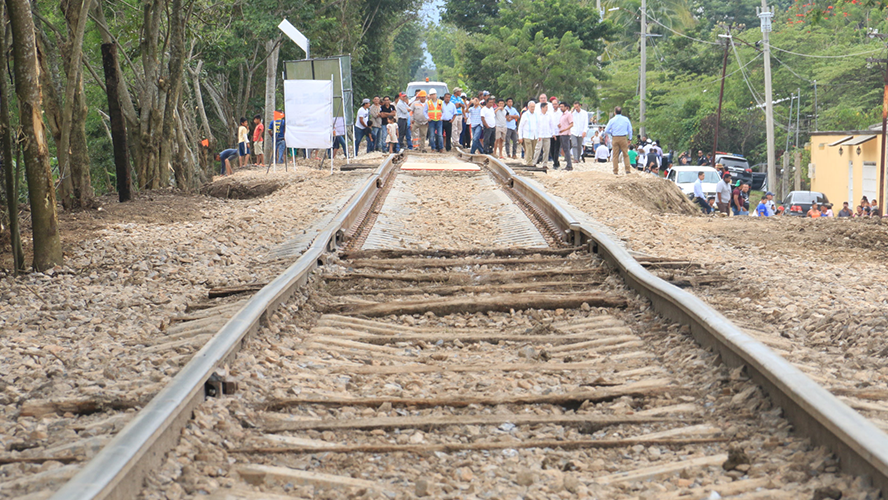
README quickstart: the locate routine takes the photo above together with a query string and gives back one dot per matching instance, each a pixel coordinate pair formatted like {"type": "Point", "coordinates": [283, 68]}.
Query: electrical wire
{"type": "Point", "coordinates": [755, 96]}
{"type": "Point", "coordinates": [791, 70]}
{"type": "Point", "coordinates": [732, 73]}
{"type": "Point", "coordinates": [826, 57]}
{"type": "Point", "coordinates": [682, 34]}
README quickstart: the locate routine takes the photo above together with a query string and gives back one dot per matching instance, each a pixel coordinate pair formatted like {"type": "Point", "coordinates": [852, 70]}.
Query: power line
{"type": "Point", "coordinates": [745, 79]}
{"type": "Point", "coordinates": [792, 71]}
{"type": "Point", "coordinates": [825, 57]}
{"type": "Point", "coordinates": [682, 34]}
{"type": "Point", "coordinates": [732, 73]}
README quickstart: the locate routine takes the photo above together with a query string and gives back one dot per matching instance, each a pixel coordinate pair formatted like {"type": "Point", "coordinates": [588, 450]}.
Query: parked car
{"type": "Point", "coordinates": [686, 176]}
{"type": "Point", "coordinates": [799, 202]}
{"type": "Point", "coordinates": [588, 145]}
{"type": "Point", "coordinates": [738, 166]}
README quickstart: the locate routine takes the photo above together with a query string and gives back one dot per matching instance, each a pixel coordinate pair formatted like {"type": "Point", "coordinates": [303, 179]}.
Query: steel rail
{"type": "Point", "coordinates": [118, 470]}
{"type": "Point", "coordinates": [816, 413]}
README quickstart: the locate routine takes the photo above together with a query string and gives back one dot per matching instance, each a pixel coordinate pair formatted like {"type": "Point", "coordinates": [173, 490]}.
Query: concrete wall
{"type": "Point", "coordinates": [830, 172]}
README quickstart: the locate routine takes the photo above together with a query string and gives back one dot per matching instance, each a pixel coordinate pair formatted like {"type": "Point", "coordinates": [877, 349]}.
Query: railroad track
{"type": "Point", "coordinates": [404, 370]}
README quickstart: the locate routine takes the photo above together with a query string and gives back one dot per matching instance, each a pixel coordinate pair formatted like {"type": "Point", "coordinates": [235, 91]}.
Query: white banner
{"type": "Point", "coordinates": [308, 106]}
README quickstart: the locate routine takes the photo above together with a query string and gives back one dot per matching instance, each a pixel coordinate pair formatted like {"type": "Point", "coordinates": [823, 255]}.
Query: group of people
{"type": "Point", "coordinates": [685, 158]}
{"type": "Point", "coordinates": [732, 199]}
{"type": "Point", "coordinates": [866, 209]}
{"type": "Point", "coordinates": [409, 123]}
{"type": "Point", "coordinates": [545, 131]}
{"type": "Point", "coordinates": [251, 143]}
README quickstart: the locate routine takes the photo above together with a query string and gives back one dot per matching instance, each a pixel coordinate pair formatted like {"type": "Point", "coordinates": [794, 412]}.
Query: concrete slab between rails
{"type": "Point", "coordinates": [118, 470]}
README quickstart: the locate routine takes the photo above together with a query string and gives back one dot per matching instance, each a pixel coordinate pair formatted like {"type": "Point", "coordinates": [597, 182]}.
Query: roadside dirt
{"type": "Point", "coordinates": [632, 192]}
{"type": "Point", "coordinates": [162, 206]}
{"type": "Point", "coordinates": [815, 290]}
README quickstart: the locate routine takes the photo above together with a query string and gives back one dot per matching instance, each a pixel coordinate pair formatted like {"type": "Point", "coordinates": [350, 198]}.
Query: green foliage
{"type": "Point", "coordinates": [473, 16]}
{"type": "Point", "coordinates": [684, 77]}
{"type": "Point", "coordinates": [537, 45]}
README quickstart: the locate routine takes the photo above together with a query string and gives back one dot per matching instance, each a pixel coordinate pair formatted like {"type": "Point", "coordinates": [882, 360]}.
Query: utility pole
{"type": "Point", "coordinates": [815, 107]}
{"type": "Point", "coordinates": [642, 91]}
{"type": "Point", "coordinates": [765, 15]}
{"type": "Point", "coordinates": [785, 176]}
{"type": "Point", "coordinates": [721, 92]}
{"type": "Point", "coordinates": [884, 119]}
{"type": "Point", "coordinates": [798, 114]}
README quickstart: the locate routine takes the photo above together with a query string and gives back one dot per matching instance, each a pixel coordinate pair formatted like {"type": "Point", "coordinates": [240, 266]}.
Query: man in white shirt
{"type": "Point", "coordinates": [362, 126]}
{"type": "Point", "coordinates": [602, 153]}
{"type": "Point", "coordinates": [448, 117]}
{"type": "Point", "coordinates": [544, 130]}
{"type": "Point", "coordinates": [528, 132]}
{"type": "Point", "coordinates": [579, 130]}
{"type": "Point", "coordinates": [488, 122]}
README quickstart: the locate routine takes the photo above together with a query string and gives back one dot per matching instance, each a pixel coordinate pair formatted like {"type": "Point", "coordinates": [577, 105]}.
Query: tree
{"type": "Point", "coordinates": [44, 221]}
{"type": "Point", "coordinates": [473, 16]}
{"type": "Point", "coordinates": [538, 45]}
{"type": "Point", "coordinates": [64, 100]}
{"type": "Point", "coordinates": [10, 177]}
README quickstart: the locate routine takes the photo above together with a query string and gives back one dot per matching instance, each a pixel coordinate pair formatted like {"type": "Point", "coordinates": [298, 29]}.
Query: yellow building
{"type": "Point", "coordinates": [845, 165]}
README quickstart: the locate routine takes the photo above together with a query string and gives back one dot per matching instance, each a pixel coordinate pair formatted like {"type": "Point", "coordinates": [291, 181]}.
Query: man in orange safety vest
{"type": "Point", "coordinates": [434, 106]}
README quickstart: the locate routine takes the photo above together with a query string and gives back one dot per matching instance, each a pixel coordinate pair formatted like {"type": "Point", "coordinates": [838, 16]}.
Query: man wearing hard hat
{"type": "Point", "coordinates": [420, 128]}
{"type": "Point", "coordinates": [435, 112]}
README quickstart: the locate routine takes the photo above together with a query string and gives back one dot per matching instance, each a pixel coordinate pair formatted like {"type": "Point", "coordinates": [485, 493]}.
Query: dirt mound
{"type": "Point", "coordinates": [242, 188]}
{"type": "Point", "coordinates": [868, 234]}
{"type": "Point", "coordinates": [655, 195]}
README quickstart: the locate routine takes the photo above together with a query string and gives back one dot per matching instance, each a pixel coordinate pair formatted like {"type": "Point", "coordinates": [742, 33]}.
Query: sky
{"type": "Point", "coordinates": [431, 10]}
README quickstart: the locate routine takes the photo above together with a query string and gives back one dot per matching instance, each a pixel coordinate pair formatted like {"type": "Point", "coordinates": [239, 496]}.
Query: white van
{"type": "Point", "coordinates": [440, 88]}
{"type": "Point", "coordinates": [685, 177]}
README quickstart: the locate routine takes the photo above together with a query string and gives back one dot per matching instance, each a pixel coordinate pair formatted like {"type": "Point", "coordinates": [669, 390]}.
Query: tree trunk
{"type": "Point", "coordinates": [9, 170]}
{"type": "Point", "coordinates": [118, 124]}
{"type": "Point", "coordinates": [44, 221]}
{"type": "Point", "coordinates": [71, 149]}
{"type": "Point", "coordinates": [123, 93]}
{"type": "Point", "coordinates": [148, 168]}
{"type": "Point", "coordinates": [273, 47]}
{"type": "Point", "coordinates": [228, 117]}
{"type": "Point", "coordinates": [174, 82]}
{"type": "Point", "coordinates": [79, 162]}
{"type": "Point", "coordinates": [206, 153]}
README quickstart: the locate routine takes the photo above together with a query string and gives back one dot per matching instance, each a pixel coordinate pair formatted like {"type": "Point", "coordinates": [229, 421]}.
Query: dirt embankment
{"type": "Point", "coordinates": [815, 288]}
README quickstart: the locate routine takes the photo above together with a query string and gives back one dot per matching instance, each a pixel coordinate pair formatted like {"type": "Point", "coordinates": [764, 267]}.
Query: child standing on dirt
{"type": "Point", "coordinates": [258, 141]}
{"type": "Point", "coordinates": [243, 142]}
{"type": "Point", "coordinates": [391, 134]}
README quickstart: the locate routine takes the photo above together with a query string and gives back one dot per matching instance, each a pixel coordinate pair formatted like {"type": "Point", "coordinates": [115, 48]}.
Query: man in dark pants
{"type": "Point", "coordinates": [699, 197]}
{"type": "Point", "coordinates": [448, 112]}
{"type": "Point", "coordinates": [555, 149]}
{"type": "Point", "coordinates": [402, 112]}
{"type": "Point", "coordinates": [488, 120]}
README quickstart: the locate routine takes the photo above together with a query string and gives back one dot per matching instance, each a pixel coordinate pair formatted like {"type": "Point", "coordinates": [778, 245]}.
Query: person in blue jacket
{"type": "Point", "coordinates": [224, 156]}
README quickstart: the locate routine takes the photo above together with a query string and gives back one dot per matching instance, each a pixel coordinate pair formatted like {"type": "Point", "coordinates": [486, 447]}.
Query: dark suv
{"type": "Point", "coordinates": [738, 166]}
{"type": "Point", "coordinates": [799, 202]}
